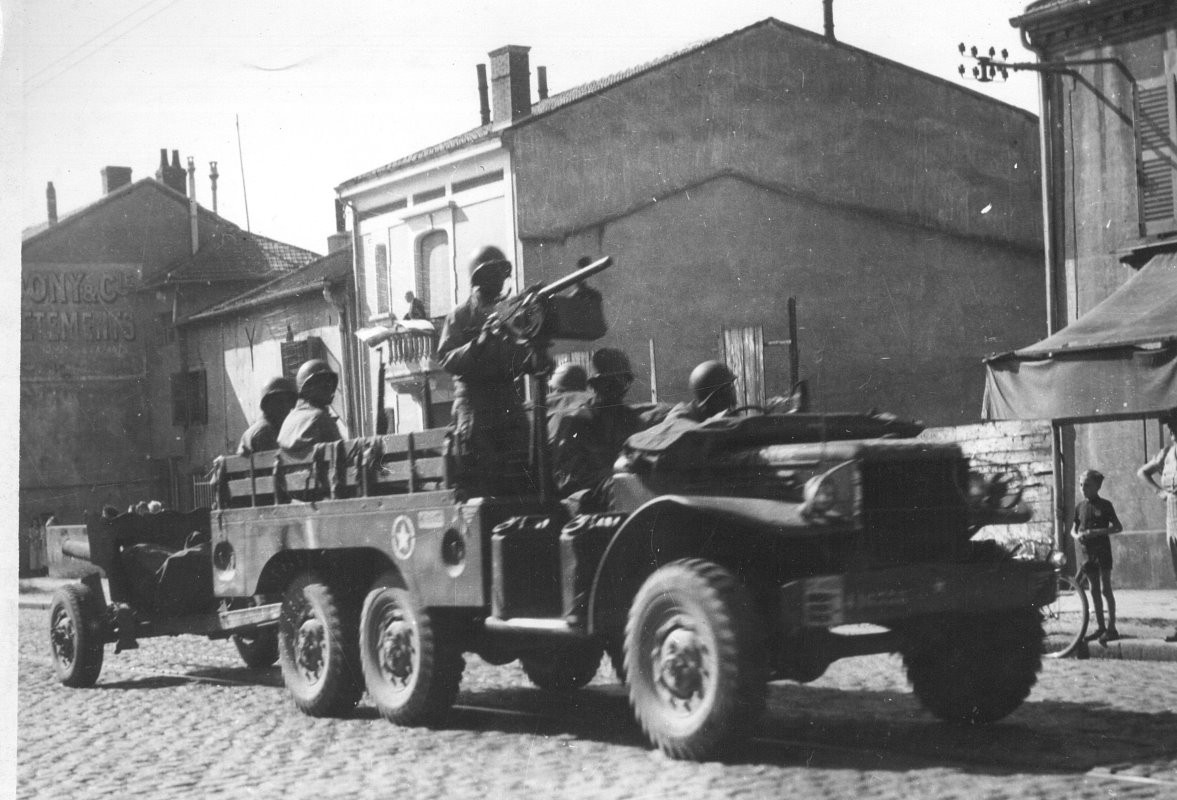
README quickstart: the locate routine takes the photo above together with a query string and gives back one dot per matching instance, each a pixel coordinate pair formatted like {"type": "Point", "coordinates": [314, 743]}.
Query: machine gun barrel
{"type": "Point", "coordinates": [573, 278]}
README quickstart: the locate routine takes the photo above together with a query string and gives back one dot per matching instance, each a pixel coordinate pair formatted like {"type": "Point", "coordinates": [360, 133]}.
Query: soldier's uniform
{"type": "Point", "coordinates": [489, 426]}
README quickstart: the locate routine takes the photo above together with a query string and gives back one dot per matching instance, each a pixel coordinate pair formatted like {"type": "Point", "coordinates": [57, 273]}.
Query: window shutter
{"type": "Point", "coordinates": [198, 397]}
{"type": "Point", "coordinates": [179, 399]}
{"type": "Point", "coordinates": [1156, 130]}
{"type": "Point", "coordinates": [383, 297]}
{"type": "Point", "coordinates": [295, 354]}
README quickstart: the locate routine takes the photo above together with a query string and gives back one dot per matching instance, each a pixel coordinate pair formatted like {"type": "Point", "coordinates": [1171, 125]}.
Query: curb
{"type": "Point", "coordinates": [1130, 650]}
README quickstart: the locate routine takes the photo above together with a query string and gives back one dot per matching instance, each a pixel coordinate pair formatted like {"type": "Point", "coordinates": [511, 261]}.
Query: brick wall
{"type": "Point", "coordinates": [1021, 445]}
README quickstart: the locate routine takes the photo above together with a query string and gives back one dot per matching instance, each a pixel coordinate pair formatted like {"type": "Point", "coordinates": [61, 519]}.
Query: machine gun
{"type": "Point", "coordinates": [541, 313]}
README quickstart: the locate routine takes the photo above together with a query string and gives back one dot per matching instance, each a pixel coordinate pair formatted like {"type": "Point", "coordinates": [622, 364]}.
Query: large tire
{"type": "Point", "coordinates": [317, 649]}
{"type": "Point", "coordinates": [564, 668]}
{"type": "Point", "coordinates": [974, 668]}
{"type": "Point", "coordinates": [695, 660]}
{"type": "Point", "coordinates": [412, 665]}
{"type": "Point", "coordinates": [259, 649]}
{"type": "Point", "coordinates": [75, 635]}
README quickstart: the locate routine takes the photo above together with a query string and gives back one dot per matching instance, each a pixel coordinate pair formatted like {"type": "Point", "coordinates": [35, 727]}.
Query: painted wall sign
{"type": "Point", "coordinates": [79, 321]}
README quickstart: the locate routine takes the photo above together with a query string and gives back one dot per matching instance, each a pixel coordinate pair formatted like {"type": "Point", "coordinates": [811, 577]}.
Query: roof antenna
{"type": "Point", "coordinates": [241, 161]}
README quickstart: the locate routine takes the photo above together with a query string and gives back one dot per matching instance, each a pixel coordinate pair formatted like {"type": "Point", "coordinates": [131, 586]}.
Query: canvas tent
{"type": "Point", "coordinates": [1117, 361]}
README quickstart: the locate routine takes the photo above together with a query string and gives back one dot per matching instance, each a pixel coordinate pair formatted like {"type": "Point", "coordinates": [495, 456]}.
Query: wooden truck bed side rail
{"type": "Point", "coordinates": [393, 464]}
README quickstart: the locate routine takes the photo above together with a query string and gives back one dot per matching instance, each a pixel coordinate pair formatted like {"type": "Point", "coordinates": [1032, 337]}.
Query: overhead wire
{"type": "Point", "coordinates": [31, 84]}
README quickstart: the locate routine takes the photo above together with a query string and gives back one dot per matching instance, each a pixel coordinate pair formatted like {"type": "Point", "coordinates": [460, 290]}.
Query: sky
{"type": "Point", "coordinates": [321, 92]}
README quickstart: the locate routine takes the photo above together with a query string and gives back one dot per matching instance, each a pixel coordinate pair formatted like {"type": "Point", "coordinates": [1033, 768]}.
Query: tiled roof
{"type": "Point", "coordinates": [308, 278]}
{"type": "Point", "coordinates": [234, 254]}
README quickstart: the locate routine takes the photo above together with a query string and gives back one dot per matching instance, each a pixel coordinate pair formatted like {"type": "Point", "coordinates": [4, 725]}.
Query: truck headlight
{"type": "Point", "coordinates": [833, 495]}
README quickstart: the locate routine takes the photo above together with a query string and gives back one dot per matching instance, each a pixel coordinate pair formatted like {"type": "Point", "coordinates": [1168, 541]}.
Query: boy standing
{"type": "Point", "coordinates": [1095, 519]}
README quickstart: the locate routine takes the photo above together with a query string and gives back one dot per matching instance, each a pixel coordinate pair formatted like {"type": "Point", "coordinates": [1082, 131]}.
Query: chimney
{"type": "Point", "coordinates": [191, 198]}
{"type": "Point", "coordinates": [483, 97]}
{"type": "Point", "coordinates": [171, 176]}
{"type": "Point", "coordinates": [828, 7]}
{"type": "Point", "coordinates": [541, 74]}
{"type": "Point", "coordinates": [510, 83]}
{"type": "Point", "coordinates": [341, 238]}
{"type": "Point", "coordinates": [51, 202]}
{"type": "Point", "coordinates": [115, 178]}
{"type": "Point", "coordinates": [212, 178]}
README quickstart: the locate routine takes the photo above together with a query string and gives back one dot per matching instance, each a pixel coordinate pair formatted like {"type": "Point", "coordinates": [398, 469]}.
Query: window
{"type": "Point", "coordinates": [434, 273]}
{"type": "Point", "coordinates": [383, 297]}
{"type": "Point", "coordinates": [190, 397]}
{"type": "Point", "coordinates": [1156, 154]}
{"type": "Point", "coordinates": [295, 354]}
{"type": "Point", "coordinates": [167, 330]}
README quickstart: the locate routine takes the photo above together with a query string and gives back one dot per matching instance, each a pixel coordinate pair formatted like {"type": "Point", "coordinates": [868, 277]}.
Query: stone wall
{"type": "Point", "coordinates": [1011, 445]}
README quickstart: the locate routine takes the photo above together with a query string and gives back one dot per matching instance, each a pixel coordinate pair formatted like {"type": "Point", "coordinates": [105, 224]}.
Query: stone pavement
{"type": "Point", "coordinates": [1145, 618]}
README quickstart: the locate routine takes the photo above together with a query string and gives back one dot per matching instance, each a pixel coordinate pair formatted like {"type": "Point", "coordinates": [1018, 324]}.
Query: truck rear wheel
{"type": "Point", "coordinates": [259, 649]}
{"type": "Point", "coordinates": [974, 668]}
{"type": "Point", "coordinates": [412, 666]}
{"type": "Point", "coordinates": [694, 659]}
{"type": "Point", "coordinates": [75, 635]}
{"type": "Point", "coordinates": [317, 648]}
{"type": "Point", "coordinates": [563, 669]}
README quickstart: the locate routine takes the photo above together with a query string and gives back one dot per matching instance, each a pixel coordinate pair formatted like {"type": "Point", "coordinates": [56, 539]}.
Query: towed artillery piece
{"type": "Point", "coordinates": [744, 550]}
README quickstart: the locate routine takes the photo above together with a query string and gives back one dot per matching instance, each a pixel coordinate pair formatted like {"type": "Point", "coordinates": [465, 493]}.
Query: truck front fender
{"type": "Point", "coordinates": [734, 531]}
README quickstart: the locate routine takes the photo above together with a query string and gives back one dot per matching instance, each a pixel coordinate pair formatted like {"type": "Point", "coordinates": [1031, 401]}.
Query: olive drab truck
{"type": "Point", "coordinates": [757, 547]}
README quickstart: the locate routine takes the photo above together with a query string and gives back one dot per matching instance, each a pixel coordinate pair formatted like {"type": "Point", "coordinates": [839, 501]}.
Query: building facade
{"type": "Point", "coordinates": [108, 391]}
{"type": "Point", "coordinates": [1107, 75]}
{"type": "Point", "coordinates": [898, 210]}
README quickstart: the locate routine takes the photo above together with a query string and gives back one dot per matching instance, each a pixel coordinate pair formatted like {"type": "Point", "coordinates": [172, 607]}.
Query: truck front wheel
{"type": "Point", "coordinates": [259, 649]}
{"type": "Point", "coordinates": [75, 635]}
{"type": "Point", "coordinates": [412, 668]}
{"type": "Point", "coordinates": [974, 668]}
{"type": "Point", "coordinates": [695, 662]}
{"type": "Point", "coordinates": [317, 648]}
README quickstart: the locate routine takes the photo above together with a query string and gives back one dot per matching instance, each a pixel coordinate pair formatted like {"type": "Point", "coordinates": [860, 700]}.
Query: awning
{"type": "Point", "coordinates": [1119, 360]}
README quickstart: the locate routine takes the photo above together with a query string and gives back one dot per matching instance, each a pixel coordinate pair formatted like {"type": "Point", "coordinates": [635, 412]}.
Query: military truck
{"type": "Point", "coordinates": [757, 547]}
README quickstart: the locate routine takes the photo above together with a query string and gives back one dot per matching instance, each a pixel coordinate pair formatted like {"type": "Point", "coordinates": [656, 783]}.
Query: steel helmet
{"type": "Point", "coordinates": [709, 378]}
{"type": "Point", "coordinates": [569, 377]}
{"type": "Point", "coordinates": [608, 362]}
{"type": "Point", "coordinates": [315, 370]}
{"type": "Point", "coordinates": [279, 386]}
{"type": "Point", "coordinates": [488, 264]}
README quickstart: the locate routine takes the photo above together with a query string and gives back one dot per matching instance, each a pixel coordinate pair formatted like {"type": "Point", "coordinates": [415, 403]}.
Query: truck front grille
{"type": "Point", "coordinates": [915, 510]}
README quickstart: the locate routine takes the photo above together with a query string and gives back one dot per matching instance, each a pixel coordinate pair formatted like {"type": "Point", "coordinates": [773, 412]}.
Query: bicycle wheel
{"type": "Point", "coordinates": [1064, 621]}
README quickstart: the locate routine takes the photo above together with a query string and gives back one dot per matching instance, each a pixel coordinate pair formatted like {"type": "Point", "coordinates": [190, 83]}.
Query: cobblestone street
{"type": "Point", "coordinates": [182, 718]}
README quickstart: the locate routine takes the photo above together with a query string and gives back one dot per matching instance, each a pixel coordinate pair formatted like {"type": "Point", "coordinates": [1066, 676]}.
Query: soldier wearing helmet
{"type": "Point", "coordinates": [589, 439]}
{"type": "Point", "coordinates": [567, 391]}
{"type": "Point", "coordinates": [311, 421]}
{"type": "Point", "coordinates": [713, 387]}
{"type": "Point", "coordinates": [489, 424]}
{"type": "Point", "coordinates": [278, 398]}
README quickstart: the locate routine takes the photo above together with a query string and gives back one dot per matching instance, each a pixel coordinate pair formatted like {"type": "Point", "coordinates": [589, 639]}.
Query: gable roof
{"type": "Point", "coordinates": [228, 253]}
{"type": "Point", "coordinates": [566, 98]}
{"type": "Point", "coordinates": [307, 279]}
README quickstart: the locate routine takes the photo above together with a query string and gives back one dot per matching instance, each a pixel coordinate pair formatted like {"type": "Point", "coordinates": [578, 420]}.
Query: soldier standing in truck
{"type": "Point", "coordinates": [489, 425]}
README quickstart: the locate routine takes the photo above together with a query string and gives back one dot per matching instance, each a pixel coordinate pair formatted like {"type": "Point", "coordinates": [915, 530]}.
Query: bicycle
{"type": "Point", "coordinates": [1065, 619]}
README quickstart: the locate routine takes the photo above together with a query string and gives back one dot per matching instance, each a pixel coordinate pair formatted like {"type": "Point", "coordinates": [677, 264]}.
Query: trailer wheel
{"type": "Point", "coordinates": [563, 669]}
{"type": "Point", "coordinates": [694, 659]}
{"type": "Point", "coordinates": [974, 668]}
{"type": "Point", "coordinates": [259, 649]}
{"type": "Point", "coordinates": [75, 635]}
{"type": "Point", "coordinates": [317, 648]}
{"type": "Point", "coordinates": [412, 664]}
